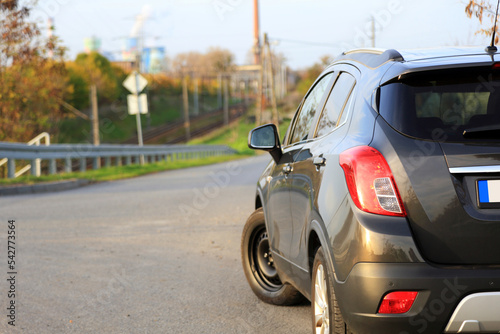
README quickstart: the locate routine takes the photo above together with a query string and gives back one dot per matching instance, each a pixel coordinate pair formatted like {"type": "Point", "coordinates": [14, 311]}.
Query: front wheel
{"type": "Point", "coordinates": [258, 264]}
{"type": "Point", "coordinates": [326, 315]}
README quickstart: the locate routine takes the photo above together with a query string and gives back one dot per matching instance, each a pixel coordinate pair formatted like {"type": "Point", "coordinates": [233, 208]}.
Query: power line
{"type": "Point", "coordinates": [304, 42]}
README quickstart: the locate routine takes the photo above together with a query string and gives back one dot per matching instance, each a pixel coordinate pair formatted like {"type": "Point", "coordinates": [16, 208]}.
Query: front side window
{"type": "Point", "coordinates": [335, 105]}
{"type": "Point", "coordinates": [306, 114]}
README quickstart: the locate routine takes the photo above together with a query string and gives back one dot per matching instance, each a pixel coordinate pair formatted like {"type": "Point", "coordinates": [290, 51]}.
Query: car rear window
{"type": "Point", "coordinates": [456, 105]}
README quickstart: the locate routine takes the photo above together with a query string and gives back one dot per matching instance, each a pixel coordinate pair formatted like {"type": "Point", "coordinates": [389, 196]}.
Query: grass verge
{"type": "Point", "coordinates": [119, 172]}
{"type": "Point", "coordinates": [235, 136]}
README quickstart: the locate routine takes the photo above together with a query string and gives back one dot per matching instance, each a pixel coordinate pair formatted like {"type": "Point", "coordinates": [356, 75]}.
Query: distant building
{"type": "Point", "coordinates": [92, 44]}
{"type": "Point", "coordinates": [127, 66]}
{"type": "Point", "coordinates": [153, 59]}
{"type": "Point", "coordinates": [130, 48]}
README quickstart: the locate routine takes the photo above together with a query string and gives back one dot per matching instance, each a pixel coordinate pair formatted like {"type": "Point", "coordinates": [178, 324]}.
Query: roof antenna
{"type": "Point", "coordinates": [492, 48]}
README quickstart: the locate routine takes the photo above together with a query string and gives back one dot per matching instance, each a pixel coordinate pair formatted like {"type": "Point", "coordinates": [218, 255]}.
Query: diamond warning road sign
{"type": "Point", "coordinates": [135, 83]}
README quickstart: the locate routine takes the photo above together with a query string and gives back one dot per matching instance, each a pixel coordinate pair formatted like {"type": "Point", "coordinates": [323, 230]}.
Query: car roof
{"type": "Point", "coordinates": [373, 58]}
{"type": "Point", "coordinates": [391, 63]}
{"type": "Point", "coordinates": [442, 52]}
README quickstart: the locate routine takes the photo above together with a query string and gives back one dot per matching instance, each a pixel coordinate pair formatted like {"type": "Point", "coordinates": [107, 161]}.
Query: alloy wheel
{"type": "Point", "coordinates": [321, 311]}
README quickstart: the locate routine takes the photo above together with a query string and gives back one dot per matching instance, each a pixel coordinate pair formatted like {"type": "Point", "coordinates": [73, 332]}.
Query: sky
{"type": "Point", "coordinates": [303, 30]}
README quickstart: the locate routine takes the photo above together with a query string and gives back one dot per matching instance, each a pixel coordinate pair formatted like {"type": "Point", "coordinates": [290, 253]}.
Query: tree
{"type": "Point", "coordinates": [214, 61]}
{"type": "Point", "coordinates": [482, 9]}
{"type": "Point", "coordinates": [311, 74]}
{"type": "Point", "coordinates": [32, 76]}
{"type": "Point", "coordinates": [219, 60]}
{"type": "Point", "coordinates": [188, 62]}
{"type": "Point", "coordinates": [94, 69]}
{"type": "Point", "coordinates": [79, 87]}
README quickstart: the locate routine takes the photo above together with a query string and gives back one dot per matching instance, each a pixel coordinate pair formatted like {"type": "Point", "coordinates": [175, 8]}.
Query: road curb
{"type": "Point", "coordinates": [43, 187]}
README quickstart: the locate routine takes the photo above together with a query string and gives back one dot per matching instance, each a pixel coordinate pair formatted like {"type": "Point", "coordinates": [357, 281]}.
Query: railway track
{"type": "Point", "coordinates": [174, 132]}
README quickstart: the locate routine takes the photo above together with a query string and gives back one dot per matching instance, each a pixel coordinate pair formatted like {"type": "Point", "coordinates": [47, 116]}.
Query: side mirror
{"type": "Point", "coordinates": [266, 138]}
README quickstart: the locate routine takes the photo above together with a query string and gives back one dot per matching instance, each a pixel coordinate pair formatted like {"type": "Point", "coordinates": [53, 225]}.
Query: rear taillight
{"type": "Point", "coordinates": [370, 181]}
{"type": "Point", "coordinates": [397, 302]}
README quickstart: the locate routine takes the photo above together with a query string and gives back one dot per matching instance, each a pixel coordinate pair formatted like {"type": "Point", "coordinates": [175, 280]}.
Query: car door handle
{"type": "Point", "coordinates": [319, 161]}
{"type": "Point", "coordinates": [287, 169]}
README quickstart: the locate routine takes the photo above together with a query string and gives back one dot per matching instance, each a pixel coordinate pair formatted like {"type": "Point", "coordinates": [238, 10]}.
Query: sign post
{"type": "Point", "coordinates": [137, 103]}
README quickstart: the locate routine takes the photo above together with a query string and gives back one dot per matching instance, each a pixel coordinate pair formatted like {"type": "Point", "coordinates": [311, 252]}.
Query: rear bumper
{"type": "Point", "coordinates": [475, 313]}
{"type": "Point", "coordinates": [440, 292]}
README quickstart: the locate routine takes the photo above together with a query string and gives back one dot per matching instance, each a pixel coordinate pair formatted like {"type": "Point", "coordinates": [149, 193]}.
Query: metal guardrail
{"type": "Point", "coordinates": [120, 154]}
{"type": "Point", "coordinates": [35, 141]}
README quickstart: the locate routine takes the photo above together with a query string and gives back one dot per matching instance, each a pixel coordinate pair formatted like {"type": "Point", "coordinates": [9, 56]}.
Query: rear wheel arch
{"type": "Point", "coordinates": [258, 202]}
{"type": "Point", "coordinates": [318, 238]}
{"type": "Point", "coordinates": [312, 247]}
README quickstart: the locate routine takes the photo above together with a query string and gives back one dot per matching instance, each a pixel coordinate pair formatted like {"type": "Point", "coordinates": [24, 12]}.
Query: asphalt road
{"type": "Point", "coordinates": [154, 254]}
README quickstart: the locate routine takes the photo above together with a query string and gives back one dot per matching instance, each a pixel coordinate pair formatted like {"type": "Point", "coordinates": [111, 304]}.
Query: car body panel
{"type": "Point", "coordinates": [470, 154]}
{"type": "Point", "coordinates": [279, 199]}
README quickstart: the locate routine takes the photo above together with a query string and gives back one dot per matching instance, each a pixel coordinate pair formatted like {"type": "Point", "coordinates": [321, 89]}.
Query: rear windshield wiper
{"type": "Point", "coordinates": [483, 132]}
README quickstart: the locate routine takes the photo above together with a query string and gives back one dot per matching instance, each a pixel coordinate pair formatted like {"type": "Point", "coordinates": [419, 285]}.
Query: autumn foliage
{"type": "Point", "coordinates": [32, 76]}
{"type": "Point", "coordinates": [37, 83]}
{"type": "Point", "coordinates": [93, 69]}
{"type": "Point", "coordinates": [482, 9]}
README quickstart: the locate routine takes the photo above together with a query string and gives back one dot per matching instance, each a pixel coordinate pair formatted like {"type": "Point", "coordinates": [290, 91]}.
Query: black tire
{"type": "Point", "coordinates": [331, 320]}
{"type": "Point", "coordinates": [259, 267]}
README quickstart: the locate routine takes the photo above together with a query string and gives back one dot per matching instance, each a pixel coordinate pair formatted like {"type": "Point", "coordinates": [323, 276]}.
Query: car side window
{"type": "Point", "coordinates": [306, 114]}
{"type": "Point", "coordinates": [333, 113]}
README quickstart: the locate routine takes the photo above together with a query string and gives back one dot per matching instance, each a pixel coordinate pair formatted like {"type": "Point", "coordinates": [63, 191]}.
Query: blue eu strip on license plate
{"type": "Point", "coordinates": [488, 191]}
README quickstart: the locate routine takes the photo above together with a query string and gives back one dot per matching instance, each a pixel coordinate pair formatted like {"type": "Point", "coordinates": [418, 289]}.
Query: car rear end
{"type": "Point", "coordinates": [439, 133]}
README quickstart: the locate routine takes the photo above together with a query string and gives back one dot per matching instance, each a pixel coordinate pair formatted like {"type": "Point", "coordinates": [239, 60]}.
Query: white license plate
{"type": "Point", "coordinates": [488, 191]}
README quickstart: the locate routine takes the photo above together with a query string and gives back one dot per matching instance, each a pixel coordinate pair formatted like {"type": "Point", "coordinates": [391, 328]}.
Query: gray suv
{"type": "Point", "coordinates": [382, 203]}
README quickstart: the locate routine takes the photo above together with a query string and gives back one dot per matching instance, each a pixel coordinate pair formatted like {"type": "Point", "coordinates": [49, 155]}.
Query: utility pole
{"type": "Point", "coordinates": [219, 90]}
{"type": "Point", "coordinates": [270, 72]}
{"type": "Point", "coordinates": [196, 98]}
{"type": "Point", "coordinates": [259, 59]}
{"type": "Point", "coordinates": [247, 99]}
{"type": "Point", "coordinates": [226, 102]}
{"type": "Point", "coordinates": [260, 95]}
{"type": "Point", "coordinates": [95, 115]}
{"type": "Point", "coordinates": [185, 98]}
{"type": "Point", "coordinates": [282, 91]}
{"type": "Point", "coordinates": [256, 33]}
{"type": "Point", "coordinates": [285, 81]}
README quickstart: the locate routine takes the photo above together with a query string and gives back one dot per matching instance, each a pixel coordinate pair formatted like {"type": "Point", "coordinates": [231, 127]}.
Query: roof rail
{"type": "Point", "coordinates": [371, 57]}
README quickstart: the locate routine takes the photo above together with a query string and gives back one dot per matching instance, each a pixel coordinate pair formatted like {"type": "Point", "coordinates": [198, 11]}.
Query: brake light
{"type": "Point", "coordinates": [370, 181]}
{"type": "Point", "coordinates": [397, 302]}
